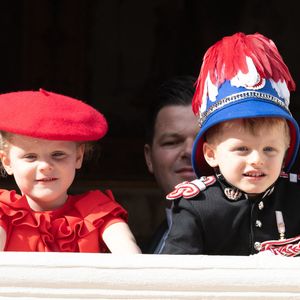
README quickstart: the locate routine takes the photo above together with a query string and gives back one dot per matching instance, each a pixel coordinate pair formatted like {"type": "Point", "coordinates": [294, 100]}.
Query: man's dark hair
{"type": "Point", "coordinates": [175, 91]}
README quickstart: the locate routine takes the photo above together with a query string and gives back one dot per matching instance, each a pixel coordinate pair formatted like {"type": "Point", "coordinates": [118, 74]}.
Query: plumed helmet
{"type": "Point", "coordinates": [242, 76]}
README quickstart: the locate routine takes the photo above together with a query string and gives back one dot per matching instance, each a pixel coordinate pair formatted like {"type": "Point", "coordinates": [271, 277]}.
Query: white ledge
{"type": "Point", "coordinates": [105, 276]}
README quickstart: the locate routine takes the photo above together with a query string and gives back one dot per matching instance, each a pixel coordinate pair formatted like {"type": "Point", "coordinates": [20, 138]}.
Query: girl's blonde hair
{"type": "Point", "coordinates": [6, 137]}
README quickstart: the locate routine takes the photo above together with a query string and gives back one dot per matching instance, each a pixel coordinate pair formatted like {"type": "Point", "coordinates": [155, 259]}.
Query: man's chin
{"type": "Point", "coordinates": [189, 178]}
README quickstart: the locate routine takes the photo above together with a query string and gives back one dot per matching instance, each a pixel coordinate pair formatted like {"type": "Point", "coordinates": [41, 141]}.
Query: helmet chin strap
{"type": "Point", "coordinates": [284, 159]}
{"type": "Point", "coordinates": [221, 177]}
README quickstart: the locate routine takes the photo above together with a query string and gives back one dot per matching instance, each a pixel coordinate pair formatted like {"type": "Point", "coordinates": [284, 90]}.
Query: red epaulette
{"type": "Point", "coordinates": [189, 189]}
{"type": "Point", "coordinates": [293, 177]}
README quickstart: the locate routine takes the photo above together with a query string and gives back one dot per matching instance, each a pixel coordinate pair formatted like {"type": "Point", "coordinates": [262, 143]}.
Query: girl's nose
{"type": "Point", "coordinates": [45, 165]}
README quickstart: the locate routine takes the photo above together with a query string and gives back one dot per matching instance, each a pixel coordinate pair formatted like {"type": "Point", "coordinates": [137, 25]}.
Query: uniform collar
{"type": "Point", "coordinates": [232, 193]}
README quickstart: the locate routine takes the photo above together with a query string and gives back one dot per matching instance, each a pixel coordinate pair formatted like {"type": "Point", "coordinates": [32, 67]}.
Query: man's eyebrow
{"type": "Point", "coordinates": [169, 134]}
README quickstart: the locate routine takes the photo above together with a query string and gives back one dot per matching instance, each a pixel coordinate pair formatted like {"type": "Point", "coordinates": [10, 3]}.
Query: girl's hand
{"type": "Point", "coordinates": [120, 240]}
{"type": "Point", "coordinates": [2, 238]}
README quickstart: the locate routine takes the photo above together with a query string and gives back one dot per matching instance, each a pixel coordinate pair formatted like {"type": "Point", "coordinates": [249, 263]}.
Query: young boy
{"type": "Point", "coordinates": [247, 138]}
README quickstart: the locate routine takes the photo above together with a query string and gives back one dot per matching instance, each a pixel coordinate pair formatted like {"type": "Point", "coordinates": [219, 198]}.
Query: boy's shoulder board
{"type": "Point", "coordinates": [190, 189]}
{"type": "Point", "coordinates": [292, 177]}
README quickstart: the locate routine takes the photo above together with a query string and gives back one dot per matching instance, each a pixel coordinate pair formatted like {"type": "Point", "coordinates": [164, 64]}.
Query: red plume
{"type": "Point", "coordinates": [227, 57]}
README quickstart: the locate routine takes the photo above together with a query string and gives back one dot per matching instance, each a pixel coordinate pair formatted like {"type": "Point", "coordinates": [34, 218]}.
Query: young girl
{"type": "Point", "coordinates": [43, 140]}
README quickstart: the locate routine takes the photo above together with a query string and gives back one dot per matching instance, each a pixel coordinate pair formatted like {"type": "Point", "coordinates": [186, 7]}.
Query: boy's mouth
{"type": "Point", "coordinates": [254, 174]}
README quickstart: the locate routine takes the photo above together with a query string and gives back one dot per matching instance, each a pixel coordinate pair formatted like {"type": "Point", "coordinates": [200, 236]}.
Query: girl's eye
{"type": "Point", "coordinates": [30, 157]}
{"type": "Point", "coordinates": [58, 155]}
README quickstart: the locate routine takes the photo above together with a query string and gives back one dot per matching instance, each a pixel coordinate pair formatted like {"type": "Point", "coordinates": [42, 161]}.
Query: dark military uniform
{"type": "Point", "coordinates": [213, 223]}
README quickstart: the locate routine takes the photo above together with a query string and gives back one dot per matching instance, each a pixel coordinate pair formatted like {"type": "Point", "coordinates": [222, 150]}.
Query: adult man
{"type": "Point", "coordinates": [169, 141]}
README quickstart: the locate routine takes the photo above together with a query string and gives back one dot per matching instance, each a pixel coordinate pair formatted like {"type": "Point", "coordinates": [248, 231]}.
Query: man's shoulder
{"type": "Point", "coordinates": [191, 189]}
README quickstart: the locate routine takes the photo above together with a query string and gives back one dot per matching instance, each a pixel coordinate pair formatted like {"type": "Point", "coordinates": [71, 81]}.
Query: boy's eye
{"type": "Point", "coordinates": [242, 148]}
{"type": "Point", "coordinates": [269, 149]}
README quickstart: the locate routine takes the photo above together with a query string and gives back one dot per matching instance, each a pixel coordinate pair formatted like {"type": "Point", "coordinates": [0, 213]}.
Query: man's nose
{"type": "Point", "coordinates": [187, 148]}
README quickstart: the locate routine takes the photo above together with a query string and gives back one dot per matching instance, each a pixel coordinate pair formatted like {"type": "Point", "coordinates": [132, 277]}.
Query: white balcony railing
{"type": "Point", "coordinates": [106, 276]}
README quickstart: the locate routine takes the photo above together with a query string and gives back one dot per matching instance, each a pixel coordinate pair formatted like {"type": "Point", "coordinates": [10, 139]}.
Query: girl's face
{"type": "Point", "coordinates": [252, 163]}
{"type": "Point", "coordinates": [43, 169]}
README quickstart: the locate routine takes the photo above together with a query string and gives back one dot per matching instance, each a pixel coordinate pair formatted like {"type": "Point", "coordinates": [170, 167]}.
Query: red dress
{"type": "Point", "coordinates": [77, 226]}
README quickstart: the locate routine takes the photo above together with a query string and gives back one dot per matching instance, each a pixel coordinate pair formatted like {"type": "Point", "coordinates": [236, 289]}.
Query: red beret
{"type": "Point", "coordinates": [51, 116]}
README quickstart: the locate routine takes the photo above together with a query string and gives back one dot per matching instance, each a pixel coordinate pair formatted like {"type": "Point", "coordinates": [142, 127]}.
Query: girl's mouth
{"type": "Point", "coordinates": [46, 179]}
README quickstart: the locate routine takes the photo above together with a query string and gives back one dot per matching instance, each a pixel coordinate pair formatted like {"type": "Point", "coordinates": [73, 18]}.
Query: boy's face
{"type": "Point", "coordinates": [249, 162]}
{"type": "Point", "coordinates": [43, 169]}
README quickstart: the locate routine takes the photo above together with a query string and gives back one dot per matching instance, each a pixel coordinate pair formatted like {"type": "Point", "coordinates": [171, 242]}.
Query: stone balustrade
{"type": "Point", "coordinates": [35, 276]}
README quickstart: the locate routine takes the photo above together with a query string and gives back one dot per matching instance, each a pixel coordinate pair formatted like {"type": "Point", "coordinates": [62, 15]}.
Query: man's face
{"type": "Point", "coordinates": [169, 156]}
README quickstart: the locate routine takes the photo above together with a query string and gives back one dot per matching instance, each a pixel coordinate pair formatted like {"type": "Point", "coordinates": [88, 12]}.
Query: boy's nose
{"type": "Point", "coordinates": [255, 158]}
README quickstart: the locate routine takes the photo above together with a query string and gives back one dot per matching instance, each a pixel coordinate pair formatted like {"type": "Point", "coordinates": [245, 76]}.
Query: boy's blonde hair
{"type": "Point", "coordinates": [252, 125]}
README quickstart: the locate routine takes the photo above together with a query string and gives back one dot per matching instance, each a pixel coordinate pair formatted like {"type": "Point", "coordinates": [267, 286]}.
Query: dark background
{"type": "Point", "coordinates": [113, 53]}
